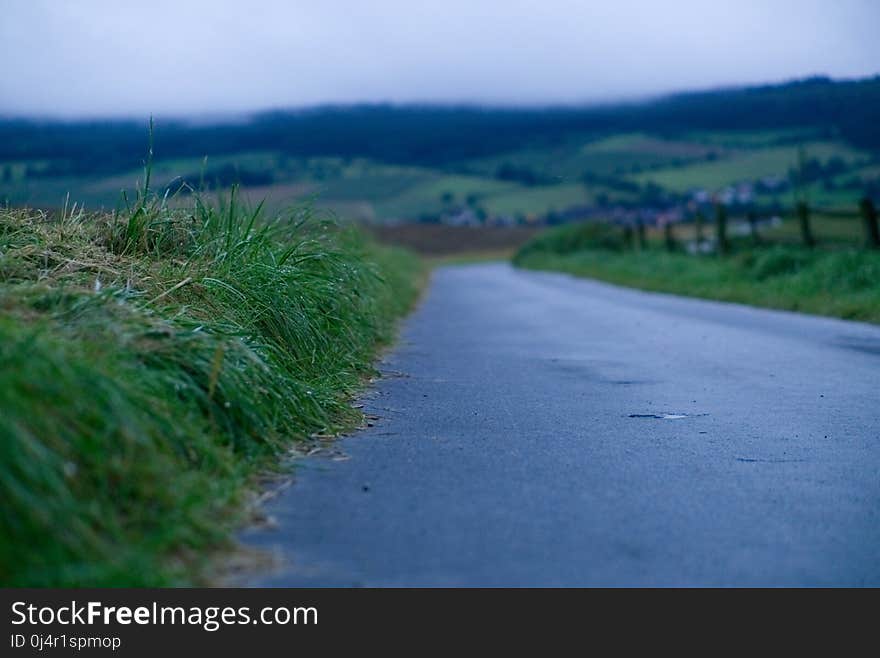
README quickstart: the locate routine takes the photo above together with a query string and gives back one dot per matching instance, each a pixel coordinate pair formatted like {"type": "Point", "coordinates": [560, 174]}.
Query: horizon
{"type": "Point", "coordinates": [232, 117]}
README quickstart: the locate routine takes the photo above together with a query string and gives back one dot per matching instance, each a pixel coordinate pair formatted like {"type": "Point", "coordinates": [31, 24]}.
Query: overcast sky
{"type": "Point", "coordinates": [176, 57]}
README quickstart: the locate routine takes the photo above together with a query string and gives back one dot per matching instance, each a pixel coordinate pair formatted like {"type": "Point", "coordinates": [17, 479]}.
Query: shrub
{"type": "Point", "coordinates": [572, 238]}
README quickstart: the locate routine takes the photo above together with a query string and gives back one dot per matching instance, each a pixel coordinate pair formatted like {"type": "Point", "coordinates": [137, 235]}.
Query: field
{"type": "Point", "coordinates": [155, 362]}
{"type": "Point", "coordinates": [545, 182]}
{"type": "Point", "coordinates": [747, 165]}
{"type": "Point", "coordinates": [606, 156]}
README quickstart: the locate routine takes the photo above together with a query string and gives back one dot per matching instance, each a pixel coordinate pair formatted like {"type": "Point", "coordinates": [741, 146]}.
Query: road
{"type": "Point", "coordinates": [540, 430]}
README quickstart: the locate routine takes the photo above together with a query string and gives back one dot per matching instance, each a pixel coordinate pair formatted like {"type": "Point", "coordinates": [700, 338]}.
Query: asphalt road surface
{"type": "Point", "coordinates": [540, 430]}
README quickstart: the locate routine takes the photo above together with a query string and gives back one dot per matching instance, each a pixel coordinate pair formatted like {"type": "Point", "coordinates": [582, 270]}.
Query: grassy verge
{"type": "Point", "coordinates": [841, 282]}
{"type": "Point", "coordinates": [152, 362]}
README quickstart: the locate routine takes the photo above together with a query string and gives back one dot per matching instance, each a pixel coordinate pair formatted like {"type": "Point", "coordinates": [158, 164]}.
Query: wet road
{"type": "Point", "coordinates": [535, 429]}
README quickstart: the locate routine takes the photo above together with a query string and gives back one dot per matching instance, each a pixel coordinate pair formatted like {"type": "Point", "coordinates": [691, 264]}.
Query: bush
{"type": "Point", "coordinates": [572, 238]}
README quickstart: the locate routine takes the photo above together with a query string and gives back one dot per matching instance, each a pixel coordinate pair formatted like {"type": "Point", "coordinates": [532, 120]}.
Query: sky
{"type": "Point", "coordinates": [102, 58]}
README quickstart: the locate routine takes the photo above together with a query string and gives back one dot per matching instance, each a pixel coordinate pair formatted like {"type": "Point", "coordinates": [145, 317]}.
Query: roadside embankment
{"type": "Point", "coordinates": [154, 361]}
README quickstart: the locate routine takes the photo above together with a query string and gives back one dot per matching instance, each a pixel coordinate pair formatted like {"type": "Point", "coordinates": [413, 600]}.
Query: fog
{"type": "Point", "coordinates": [198, 57]}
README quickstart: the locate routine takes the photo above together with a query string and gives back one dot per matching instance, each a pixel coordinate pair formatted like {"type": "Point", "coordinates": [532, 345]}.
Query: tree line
{"type": "Point", "coordinates": [437, 136]}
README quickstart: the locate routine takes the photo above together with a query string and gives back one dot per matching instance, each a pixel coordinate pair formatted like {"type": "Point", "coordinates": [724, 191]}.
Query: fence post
{"type": "Point", "coordinates": [803, 214]}
{"type": "Point", "coordinates": [668, 236]}
{"type": "Point", "coordinates": [869, 222]}
{"type": "Point", "coordinates": [723, 245]}
{"type": "Point", "coordinates": [627, 236]}
{"type": "Point", "coordinates": [752, 218]}
{"type": "Point", "coordinates": [699, 238]}
{"type": "Point", "coordinates": [640, 234]}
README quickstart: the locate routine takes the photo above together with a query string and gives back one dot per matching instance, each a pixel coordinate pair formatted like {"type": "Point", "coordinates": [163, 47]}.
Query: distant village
{"type": "Point", "coordinates": [671, 209]}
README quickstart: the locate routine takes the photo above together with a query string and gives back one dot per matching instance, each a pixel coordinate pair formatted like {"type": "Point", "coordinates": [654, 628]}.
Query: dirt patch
{"type": "Point", "coordinates": [439, 239]}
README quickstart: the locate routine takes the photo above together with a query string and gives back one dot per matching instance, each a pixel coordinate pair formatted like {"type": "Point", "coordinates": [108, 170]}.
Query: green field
{"type": "Point", "coordinates": [753, 138]}
{"type": "Point", "coordinates": [434, 194]}
{"type": "Point", "coordinates": [746, 165]}
{"type": "Point", "coordinates": [838, 280]}
{"type": "Point", "coordinates": [607, 156]}
{"type": "Point", "coordinates": [527, 185]}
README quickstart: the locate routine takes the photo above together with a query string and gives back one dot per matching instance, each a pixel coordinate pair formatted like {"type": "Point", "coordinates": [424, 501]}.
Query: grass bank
{"type": "Point", "coordinates": [840, 282]}
{"type": "Point", "coordinates": [154, 361]}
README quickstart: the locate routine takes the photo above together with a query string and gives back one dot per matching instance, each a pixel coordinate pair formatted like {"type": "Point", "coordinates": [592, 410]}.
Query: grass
{"type": "Point", "coordinates": [830, 230]}
{"type": "Point", "coordinates": [534, 201]}
{"type": "Point", "coordinates": [635, 144]}
{"type": "Point", "coordinates": [752, 138]}
{"type": "Point", "coordinates": [427, 196]}
{"type": "Point", "coordinates": [746, 165]}
{"type": "Point", "coordinates": [153, 362]}
{"type": "Point", "coordinates": [840, 282]}
{"type": "Point", "coordinates": [568, 161]}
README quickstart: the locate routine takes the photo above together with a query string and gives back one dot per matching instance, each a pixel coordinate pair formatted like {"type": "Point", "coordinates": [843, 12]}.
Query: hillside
{"type": "Point", "coordinates": [466, 165]}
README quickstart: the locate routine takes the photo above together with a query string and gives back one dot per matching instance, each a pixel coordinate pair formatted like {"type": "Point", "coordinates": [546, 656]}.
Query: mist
{"type": "Point", "coordinates": [96, 58]}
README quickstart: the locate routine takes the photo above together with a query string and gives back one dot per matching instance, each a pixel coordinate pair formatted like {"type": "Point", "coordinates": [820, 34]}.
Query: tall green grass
{"type": "Point", "coordinates": [152, 361]}
{"type": "Point", "coordinates": [841, 282]}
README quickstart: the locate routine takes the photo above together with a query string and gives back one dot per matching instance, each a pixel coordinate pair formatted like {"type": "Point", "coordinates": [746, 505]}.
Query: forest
{"type": "Point", "coordinates": [438, 136]}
